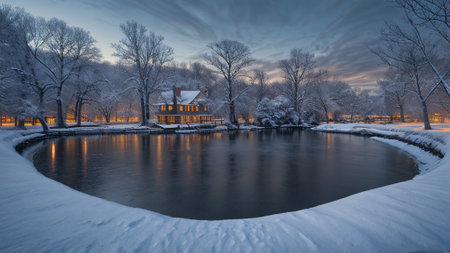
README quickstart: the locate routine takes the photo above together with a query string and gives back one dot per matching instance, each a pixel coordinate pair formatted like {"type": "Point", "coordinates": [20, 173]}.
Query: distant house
{"type": "Point", "coordinates": [183, 107]}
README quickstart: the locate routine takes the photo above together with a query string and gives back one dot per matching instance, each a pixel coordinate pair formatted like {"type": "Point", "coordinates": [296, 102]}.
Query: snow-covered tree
{"type": "Point", "coordinates": [86, 86]}
{"type": "Point", "coordinates": [401, 51]}
{"type": "Point", "coordinates": [323, 98]}
{"type": "Point", "coordinates": [230, 58]}
{"type": "Point", "coordinates": [423, 16]}
{"type": "Point", "coordinates": [276, 112]}
{"type": "Point", "coordinates": [435, 14]}
{"type": "Point", "coordinates": [394, 88]}
{"type": "Point", "coordinates": [19, 30]}
{"type": "Point", "coordinates": [60, 49]}
{"type": "Point", "coordinates": [298, 70]}
{"type": "Point", "coordinates": [261, 84]}
{"type": "Point", "coordinates": [144, 54]}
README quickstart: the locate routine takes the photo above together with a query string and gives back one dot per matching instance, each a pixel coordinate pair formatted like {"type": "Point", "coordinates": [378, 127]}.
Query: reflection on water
{"type": "Point", "coordinates": [223, 175]}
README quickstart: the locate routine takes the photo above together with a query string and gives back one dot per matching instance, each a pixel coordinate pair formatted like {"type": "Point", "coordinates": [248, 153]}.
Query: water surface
{"type": "Point", "coordinates": [221, 175]}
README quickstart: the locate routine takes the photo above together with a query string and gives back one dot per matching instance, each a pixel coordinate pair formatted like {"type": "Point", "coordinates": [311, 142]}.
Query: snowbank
{"type": "Point", "coordinates": [430, 141]}
{"type": "Point", "coordinates": [38, 214]}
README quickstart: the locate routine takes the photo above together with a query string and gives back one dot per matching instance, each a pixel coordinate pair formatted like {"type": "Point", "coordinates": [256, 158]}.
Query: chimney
{"type": "Point", "coordinates": [178, 92]}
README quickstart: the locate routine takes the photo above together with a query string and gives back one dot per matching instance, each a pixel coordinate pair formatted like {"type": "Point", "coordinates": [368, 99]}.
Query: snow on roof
{"type": "Point", "coordinates": [186, 96]}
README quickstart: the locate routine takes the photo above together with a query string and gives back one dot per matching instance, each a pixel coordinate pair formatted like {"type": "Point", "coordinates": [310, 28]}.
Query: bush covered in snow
{"type": "Point", "coordinates": [275, 112]}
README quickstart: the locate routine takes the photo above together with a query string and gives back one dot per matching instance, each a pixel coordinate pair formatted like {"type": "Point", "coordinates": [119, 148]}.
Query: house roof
{"type": "Point", "coordinates": [186, 97]}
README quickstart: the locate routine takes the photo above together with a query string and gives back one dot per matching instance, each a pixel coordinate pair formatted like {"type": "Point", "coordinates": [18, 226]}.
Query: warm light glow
{"type": "Point", "coordinates": [53, 157]}
{"type": "Point", "coordinates": [159, 154]}
{"type": "Point", "coordinates": [84, 151]}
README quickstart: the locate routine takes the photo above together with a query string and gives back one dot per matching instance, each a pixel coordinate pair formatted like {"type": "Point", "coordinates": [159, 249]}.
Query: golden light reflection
{"type": "Point", "coordinates": [188, 147]}
{"type": "Point", "coordinates": [53, 156]}
{"type": "Point", "coordinates": [159, 154]}
{"type": "Point", "coordinates": [84, 151]}
{"type": "Point", "coordinates": [218, 135]}
{"type": "Point", "coordinates": [330, 142]}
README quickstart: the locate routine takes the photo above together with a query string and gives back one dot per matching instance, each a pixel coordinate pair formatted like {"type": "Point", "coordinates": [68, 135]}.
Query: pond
{"type": "Point", "coordinates": [222, 175]}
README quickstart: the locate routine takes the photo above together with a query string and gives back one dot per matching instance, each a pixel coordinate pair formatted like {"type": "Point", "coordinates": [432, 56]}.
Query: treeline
{"type": "Point", "coordinates": [50, 68]}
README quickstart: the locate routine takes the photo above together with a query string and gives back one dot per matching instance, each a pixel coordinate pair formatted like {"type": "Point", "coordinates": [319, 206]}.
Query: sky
{"type": "Point", "coordinates": [338, 32]}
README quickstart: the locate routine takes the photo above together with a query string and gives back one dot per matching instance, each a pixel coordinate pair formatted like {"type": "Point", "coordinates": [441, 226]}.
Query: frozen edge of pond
{"type": "Point", "coordinates": [39, 214]}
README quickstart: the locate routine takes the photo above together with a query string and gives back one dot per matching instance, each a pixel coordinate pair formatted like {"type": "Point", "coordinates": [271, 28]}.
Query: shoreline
{"type": "Point", "coordinates": [407, 216]}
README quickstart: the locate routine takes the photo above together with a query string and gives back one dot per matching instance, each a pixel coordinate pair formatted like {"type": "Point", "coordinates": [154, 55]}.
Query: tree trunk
{"type": "Point", "coordinates": [107, 118]}
{"type": "Point", "coordinates": [402, 114]}
{"type": "Point", "coordinates": [147, 109]}
{"type": "Point", "coordinates": [41, 115]}
{"type": "Point", "coordinates": [79, 110]}
{"type": "Point", "coordinates": [296, 99]}
{"type": "Point", "coordinates": [142, 110]}
{"type": "Point", "coordinates": [426, 121]}
{"type": "Point", "coordinates": [76, 109]}
{"type": "Point", "coordinates": [21, 124]}
{"type": "Point", "coordinates": [60, 121]}
{"type": "Point", "coordinates": [43, 123]}
{"type": "Point", "coordinates": [232, 115]}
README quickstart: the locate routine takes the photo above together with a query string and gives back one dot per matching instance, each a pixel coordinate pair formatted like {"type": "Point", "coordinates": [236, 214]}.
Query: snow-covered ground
{"type": "Point", "coordinates": [38, 214]}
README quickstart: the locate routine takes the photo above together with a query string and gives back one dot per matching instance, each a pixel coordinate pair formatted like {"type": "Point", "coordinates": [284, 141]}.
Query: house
{"type": "Point", "coordinates": [183, 107]}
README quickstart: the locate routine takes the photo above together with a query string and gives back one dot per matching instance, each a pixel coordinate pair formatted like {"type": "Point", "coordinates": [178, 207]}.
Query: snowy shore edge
{"type": "Point", "coordinates": [38, 214]}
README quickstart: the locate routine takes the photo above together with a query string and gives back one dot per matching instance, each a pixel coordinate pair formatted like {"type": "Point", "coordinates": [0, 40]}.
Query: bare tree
{"type": "Point", "coordinates": [432, 13]}
{"type": "Point", "coordinates": [261, 83]}
{"type": "Point", "coordinates": [395, 91]}
{"type": "Point", "coordinates": [87, 85]}
{"type": "Point", "coordinates": [60, 49]}
{"type": "Point", "coordinates": [406, 58]}
{"type": "Point", "coordinates": [325, 97]}
{"type": "Point", "coordinates": [230, 58]}
{"type": "Point", "coordinates": [107, 101]}
{"type": "Point", "coordinates": [297, 72]}
{"type": "Point", "coordinates": [20, 28]}
{"type": "Point", "coordinates": [145, 54]}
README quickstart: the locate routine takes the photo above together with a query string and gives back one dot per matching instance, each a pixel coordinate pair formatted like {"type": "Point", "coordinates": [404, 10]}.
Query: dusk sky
{"type": "Point", "coordinates": [337, 32]}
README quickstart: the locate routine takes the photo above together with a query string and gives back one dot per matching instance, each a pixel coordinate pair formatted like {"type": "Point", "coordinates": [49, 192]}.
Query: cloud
{"type": "Point", "coordinates": [338, 32]}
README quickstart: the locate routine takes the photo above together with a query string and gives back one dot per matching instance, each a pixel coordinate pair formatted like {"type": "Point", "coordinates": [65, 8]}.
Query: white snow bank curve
{"type": "Point", "coordinates": [38, 214]}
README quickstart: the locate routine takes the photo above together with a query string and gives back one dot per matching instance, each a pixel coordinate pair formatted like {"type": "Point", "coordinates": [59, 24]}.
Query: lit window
{"type": "Point", "coordinates": [170, 108]}
{"type": "Point", "coordinates": [196, 108]}
{"type": "Point", "coordinates": [162, 107]}
{"type": "Point", "coordinates": [206, 108]}
{"type": "Point", "coordinates": [181, 108]}
{"type": "Point", "coordinates": [188, 108]}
